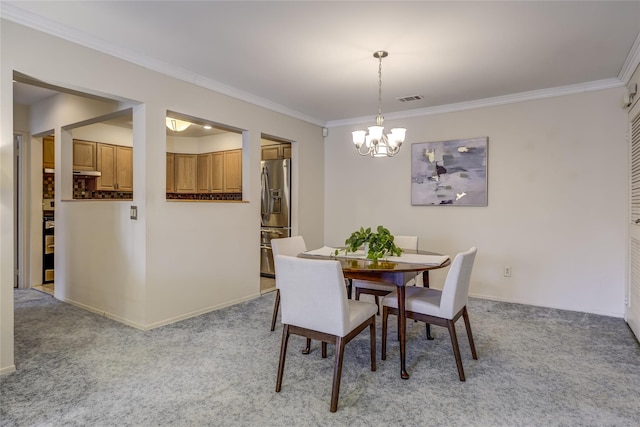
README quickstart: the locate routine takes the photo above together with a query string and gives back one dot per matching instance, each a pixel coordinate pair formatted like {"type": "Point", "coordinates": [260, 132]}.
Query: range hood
{"type": "Point", "coordinates": [86, 173]}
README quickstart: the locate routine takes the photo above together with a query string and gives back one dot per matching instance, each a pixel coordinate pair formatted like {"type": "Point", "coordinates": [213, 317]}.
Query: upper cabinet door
{"type": "Point", "coordinates": [107, 167]}
{"type": "Point", "coordinates": [171, 173]}
{"type": "Point", "coordinates": [124, 168]}
{"type": "Point", "coordinates": [48, 152]}
{"type": "Point", "coordinates": [204, 173]}
{"type": "Point", "coordinates": [271, 152]}
{"type": "Point", "coordinates": [84, 155]}
{"type": "Point", "coordinates": [217, 172]}
{"type": "Point", "coordinates": [186, 173]}
{"type": "Point", "coordinates": [233, 171]}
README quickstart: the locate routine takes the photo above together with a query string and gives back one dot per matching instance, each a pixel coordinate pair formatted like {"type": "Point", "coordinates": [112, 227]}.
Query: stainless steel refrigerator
{"type": "Point", "coordinates": [276, 210]}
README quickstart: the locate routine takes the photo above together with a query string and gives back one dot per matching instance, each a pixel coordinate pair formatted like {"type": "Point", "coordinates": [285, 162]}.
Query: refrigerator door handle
{"type": "Point", "coordinates": [265, 194]}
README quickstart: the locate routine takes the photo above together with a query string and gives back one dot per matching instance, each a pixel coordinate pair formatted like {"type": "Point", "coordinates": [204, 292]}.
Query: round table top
{"type": "Point", "coordinates": [355, 265]}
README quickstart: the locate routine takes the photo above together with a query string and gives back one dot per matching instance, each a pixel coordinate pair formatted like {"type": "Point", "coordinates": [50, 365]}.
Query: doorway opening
{"type": "Point", "coordinates": [275, 195]}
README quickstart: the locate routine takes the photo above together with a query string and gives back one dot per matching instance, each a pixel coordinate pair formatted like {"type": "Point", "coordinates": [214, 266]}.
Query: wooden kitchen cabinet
{"type": "Point", "coordinates": [233, 171]}
{"type": "Point", "coordinates": [271, 152]}
{"type": "Point", "coordinates": [211, 172]}
{"type": "Point", "coordinates": [186, 176]}
{"type": "Point", "coordinates": [217, 172]}
{"type": "Point", "coordinates": [115, 163]}
{"type": "Point", "coordinates": [213, 169]}
{"type": "Point", "coordinates": [48, 152]}
{"type": "Point", "coordinates": [203, 181]}
{"type": "Point", "coordinates": [171, 173]}
{"type": "Point", "coordinates": [286, 151]}
{"type": "Point", "coordinates": [124, 168]}
{"type": "Point", "coordinates": [84, 155]}
{"type": "Point", "coordinates": [276, 151]}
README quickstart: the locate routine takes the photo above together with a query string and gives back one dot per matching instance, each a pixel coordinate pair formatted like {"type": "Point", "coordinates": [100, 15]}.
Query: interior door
{"type": "Point", "coordinates": [632, 310]}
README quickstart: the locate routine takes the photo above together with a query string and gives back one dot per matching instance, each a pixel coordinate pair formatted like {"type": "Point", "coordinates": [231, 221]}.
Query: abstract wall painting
{"type": "Point", "coordinates": [449, 172]}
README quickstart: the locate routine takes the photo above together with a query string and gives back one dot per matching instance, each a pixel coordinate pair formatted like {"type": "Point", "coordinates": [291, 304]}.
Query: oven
{"type": "Point", "coordinates": [48, 247]}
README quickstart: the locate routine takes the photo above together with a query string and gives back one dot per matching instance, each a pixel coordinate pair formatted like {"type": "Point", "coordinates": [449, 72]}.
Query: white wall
{"type": "Point", "coordinates": [206, 144]}
{"type": "Point", "coordinates": [557, 177]}
{"type": "Point", "coordinates": [107, 134]}
{"type": "Point", "coordinates": [179, 258]}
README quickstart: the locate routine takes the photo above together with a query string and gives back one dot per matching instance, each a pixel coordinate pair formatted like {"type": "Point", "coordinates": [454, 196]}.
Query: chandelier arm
{"type": "Point", "coordinates": [366, 153]}
{"type": "Point", "coordinates": [392, 151]}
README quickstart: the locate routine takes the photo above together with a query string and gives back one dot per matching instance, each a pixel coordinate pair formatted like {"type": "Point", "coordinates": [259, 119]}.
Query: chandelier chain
{"type": "Point", "coordinates": [380, 91]}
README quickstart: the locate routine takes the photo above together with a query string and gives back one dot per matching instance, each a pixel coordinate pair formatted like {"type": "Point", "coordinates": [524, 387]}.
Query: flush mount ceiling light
{"type": "Point", "coordinates": [376, 143]}
{"type": "Point", "coordinates": [177, 125]}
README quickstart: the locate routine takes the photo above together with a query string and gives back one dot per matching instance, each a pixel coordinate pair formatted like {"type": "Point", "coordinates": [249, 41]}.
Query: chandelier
{"type": "Point", "coordinates": [376, 143]}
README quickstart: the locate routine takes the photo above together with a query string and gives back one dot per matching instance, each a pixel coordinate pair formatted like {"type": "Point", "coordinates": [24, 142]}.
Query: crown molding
{"type": "Point", "coordinates": [22, 17]}
{"type": "Point", "coordinates": [488, 102]}
{"type": "Point", "coordinates": [631, 63]}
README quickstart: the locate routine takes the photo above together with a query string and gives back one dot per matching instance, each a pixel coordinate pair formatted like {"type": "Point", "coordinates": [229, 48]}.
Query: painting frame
{"type": "Point", "coordinates": [450, 173]}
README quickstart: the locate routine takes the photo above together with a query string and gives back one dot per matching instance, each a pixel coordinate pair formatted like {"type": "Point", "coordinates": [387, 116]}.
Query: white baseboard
{"type": "Point", "coordinates": [201, 311]}
{"type": "Point", "coordinates": [7, 370]}
{"type": "Point", "coordinates": [580, 310]}
{"type": "Point", "coordinates": [161, 322]}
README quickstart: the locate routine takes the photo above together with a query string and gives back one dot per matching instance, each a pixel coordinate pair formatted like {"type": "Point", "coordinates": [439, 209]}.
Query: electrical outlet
{"type": "Point", "coordinates": [506, 272]}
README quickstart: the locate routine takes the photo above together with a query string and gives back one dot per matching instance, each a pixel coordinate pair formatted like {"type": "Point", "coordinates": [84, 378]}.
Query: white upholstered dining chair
{"type": "Point", "coordinates": [442, 308]}
{"type": "Point", "coordinates": [290, 246]}
{"type": "Point", "coordinates": [379, 289]}
{"type": "Point", "coordinates": [314, 304]}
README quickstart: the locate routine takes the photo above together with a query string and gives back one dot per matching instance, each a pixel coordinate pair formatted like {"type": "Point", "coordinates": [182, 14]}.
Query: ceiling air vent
{"type": "Point", "coordinates": [411, 98]}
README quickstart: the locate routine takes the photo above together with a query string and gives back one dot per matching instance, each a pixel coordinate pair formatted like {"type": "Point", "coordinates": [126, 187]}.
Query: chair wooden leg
{"type": "Point", "coordinates": [349, 288]}
{"type": "Point", "coordinates": [467, 325]}
{"type": "Point", "coordinates": [357, 294]}
{"type": "Point", "coordinates": [385, 316]}
{"type": "Point", "coordinates": [307, 349]}
{"type": "Point", "coordinates": [275, 310]}
{"type": "Point", "coordinates": [372, 336]}
{"type": "Point", "coordinates": [456, 349]}
{"type": "Point", "coordinates": [337, 374]}
{"type": "Point", "coordinates": [425, 278]}
{"type": "Point", "coordinates": [283, 354]}
{"type": "Point", "coordinates": [324, 350]}
{"type": "Point", "coordinates": [425, 283]}
{"type": "Point", "coordinates": [377, 304]}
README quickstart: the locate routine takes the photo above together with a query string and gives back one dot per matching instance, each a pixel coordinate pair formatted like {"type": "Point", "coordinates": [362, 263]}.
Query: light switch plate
{"type": "Point", "coordinates": [133, 212]}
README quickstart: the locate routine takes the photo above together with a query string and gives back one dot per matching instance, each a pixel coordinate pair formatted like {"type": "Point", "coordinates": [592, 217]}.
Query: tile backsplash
{"type": "Point", "coordinates": [205, 196]}
{"type": "Point", "coordinates": [48, 186]}
{"type": "Point", "coordinates": [81, 190]}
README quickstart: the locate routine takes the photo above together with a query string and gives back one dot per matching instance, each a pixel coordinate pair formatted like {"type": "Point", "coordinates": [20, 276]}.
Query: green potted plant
{"type": "Point", "coordinates": [376, 244]}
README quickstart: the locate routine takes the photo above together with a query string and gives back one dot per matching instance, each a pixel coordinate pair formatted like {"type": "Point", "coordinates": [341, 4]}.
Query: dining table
{"type": "Point", "coordinates": [397, 270]}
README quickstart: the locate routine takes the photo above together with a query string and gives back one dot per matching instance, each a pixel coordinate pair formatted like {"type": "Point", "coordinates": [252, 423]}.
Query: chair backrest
{"type": "Point", "coordinates": [455, 292]}
{"type": "Point", "coordinates": [312, 294]}
{"type": "Point", "coordinates": [290, 246]}
{"type": "Point", "coordinates": [406, 242]}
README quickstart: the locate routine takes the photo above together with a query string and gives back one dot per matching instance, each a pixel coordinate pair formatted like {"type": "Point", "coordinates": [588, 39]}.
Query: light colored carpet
{"type": "Point", "coordinates": [536, 367]}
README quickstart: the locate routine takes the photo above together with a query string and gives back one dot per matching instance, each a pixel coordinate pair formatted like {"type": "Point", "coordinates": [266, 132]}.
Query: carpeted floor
{"type": "Point", "coordinates": [536, 367]}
